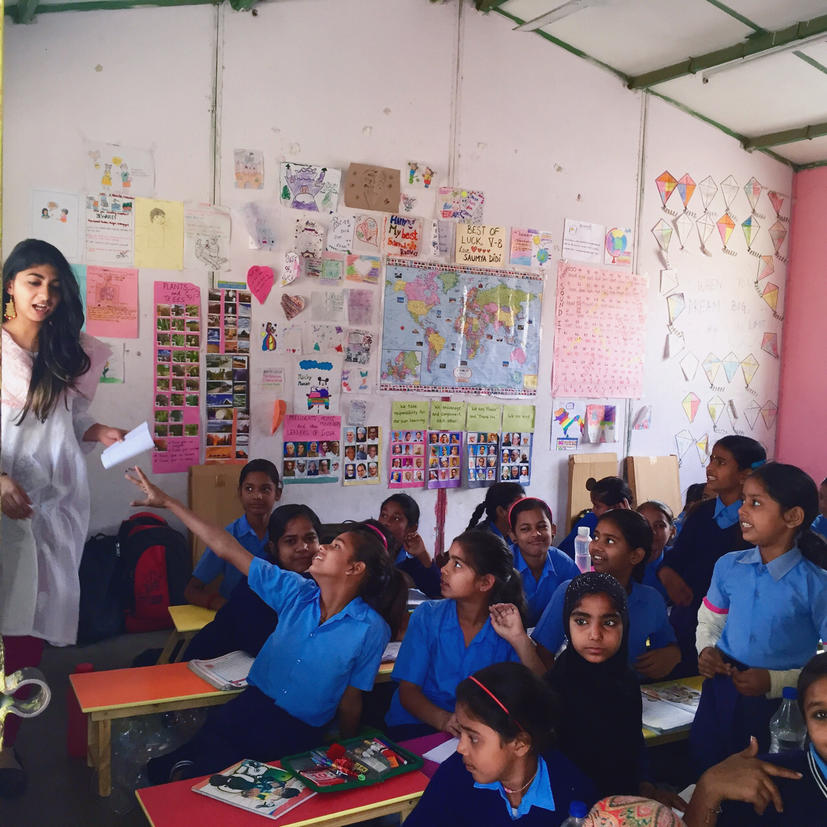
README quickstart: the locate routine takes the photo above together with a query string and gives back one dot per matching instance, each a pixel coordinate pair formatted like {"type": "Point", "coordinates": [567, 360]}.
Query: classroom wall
{"type": "Point", "coordinates": [547, 137]}
{"type": "Point", "coordinates": [803, 379]}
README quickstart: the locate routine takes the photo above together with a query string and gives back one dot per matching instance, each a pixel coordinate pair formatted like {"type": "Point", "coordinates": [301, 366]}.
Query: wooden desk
{"type": "Point", "coordinates": [188, 620]}
{"type": "Point", "coordinates": [655, 739]}
{"type": "Point", "coordinates": [171, 805]}
{"type": "Point", "coordinates": [126, 693]}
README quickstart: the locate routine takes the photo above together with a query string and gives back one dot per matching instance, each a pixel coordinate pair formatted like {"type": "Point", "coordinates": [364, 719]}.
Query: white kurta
{"type": "Point", "coordinates": [40, 556]}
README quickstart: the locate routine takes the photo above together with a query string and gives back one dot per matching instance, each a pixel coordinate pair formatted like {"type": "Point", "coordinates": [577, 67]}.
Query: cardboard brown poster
{"type": "Point", "coordinates": [369, 187]}
{"type": "Point", "coordinates": [655, 478]}
{"type": "Point", "coordinates": [581, 467]}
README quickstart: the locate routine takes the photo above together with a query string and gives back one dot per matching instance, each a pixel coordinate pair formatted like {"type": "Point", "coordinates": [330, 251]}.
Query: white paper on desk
{"type": "Point", "coordinates": [443, 752]}
{"type": "Point", "coordinates": [391, 651]}
{"type": "Point", "coordinates": [135, 442]}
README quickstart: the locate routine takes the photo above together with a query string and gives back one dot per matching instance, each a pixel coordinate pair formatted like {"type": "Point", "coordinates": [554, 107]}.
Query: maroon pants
{"type": "Point", "coordinates": [20, 652]}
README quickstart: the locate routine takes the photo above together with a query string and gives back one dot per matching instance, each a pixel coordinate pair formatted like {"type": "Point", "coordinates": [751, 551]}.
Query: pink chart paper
{"type": "Point", "coordinates": [600, 329]}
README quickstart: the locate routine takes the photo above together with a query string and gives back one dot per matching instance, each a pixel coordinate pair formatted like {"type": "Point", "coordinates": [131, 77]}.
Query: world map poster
{"type": "Point", "coordinates": [460, 329]}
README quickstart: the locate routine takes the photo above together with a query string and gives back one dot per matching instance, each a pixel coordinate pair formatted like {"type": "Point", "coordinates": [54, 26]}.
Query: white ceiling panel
{"type": "Point", "coordinates": [777, 14]}
{"type": "Point", "coordinates": [804, 152]}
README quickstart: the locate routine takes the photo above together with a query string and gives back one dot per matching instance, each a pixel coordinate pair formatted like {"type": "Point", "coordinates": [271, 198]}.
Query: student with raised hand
{"type": "Point", "coordinates": [661, 520]}
{"type": "Point", "coordinates": [542, 567]}
{"type": "Point", "coordinates": [245, 621]}
{"type": "Point", "coordinates": [478, 623]}
{"type": "Point", "coordinates": [324, 652]}
{"type": "Point", "coordinates": [259, 489]}
{"type": "Point", "coordinates": [710, 531]}
{"type": "Point", "coordinates": [399, 513]}
{"type": "Point", "coordinates": [606, 493]}
{"type": "Point", "coordinates": [498, 499]}
{"type": "Point", "coordinates": [505, 768]}
{"type": "Point", "coordinates": [622, 543]}
{"type": "Point", "coordinates": [763, 615]}
{"type": "Point", "coordinates": [600, 722]}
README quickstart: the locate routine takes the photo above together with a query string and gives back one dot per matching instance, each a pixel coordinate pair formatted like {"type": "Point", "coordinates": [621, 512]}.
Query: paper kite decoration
{"type": "Point", "coordinates": [778, 232]}
{"type": "Point", "coordinates": [691, 402]}
{"type": "Point", "coordinates": [749, 367]}
{"type": "Point", "coordinates": [711, 366]}
{"type": "Point", "coordinates": [689, 366]}
{"type": "Point", "coordinates": [683, 441]}
{"type": "Point", "coordinates": [770, 295]}
{"type": "Point", "coordinates": [769, 410]}
{"type": "Point", "coordinates": [705, 226]}
{"type": "Point", "coordinates": [777, 200]}
{"type": "Point", "coordinates": [666, 186]}
{"type": "Point", "coordinates": [725, 226]}
{"type": "Point", "coordinates": [753, 190]}
{"type": "Point", "coordinates": [686, 189]}
{"type": "Point", "coordinates": [751, 412]}
{"type": "Point", "coordinates": [675, 304]}
{"type": "Point", "coordinates": [769, 344]}
{"type": "Point", "coordinates": [729, 189]}
{"type": "Point", "coordinates": [683, 227]}
{"type": "Point", "coordinates": [750, 226]}
{"type": "Point", "coordinates": [730, 365]}
{"type": "Point", "coordinates": [715, 406]}
{"type": "Point", "coordinates": [669, 280]}
{"type": "Point", "coordinates": [708, 190]}
{"type": "Point", "coordinates": [702, 444]}
{"type": "Point", "coordinates": [662, 232]}
{"type": "Point", "coordinates": [766, 267]}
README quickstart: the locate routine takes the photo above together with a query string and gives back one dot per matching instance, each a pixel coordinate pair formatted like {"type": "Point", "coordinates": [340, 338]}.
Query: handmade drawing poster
{"type": "Point", "coordinates": [358, 347]}
{"type": "Point", "coordinates": [370, 187]}
{"type": "Point", "coordinates": [56, 219]}
{"type": "Point", "coordinates": [111, 168]}
{"type": "Point", "coordinates": [311, 449]}
{"type": "Point", "coordinates": [567, 424]}
{"type": "Point", "coordinates": [529, 248]}
{"type": "Point", "coordinates": [333, 266]}
{"type": "Point", "coordinates": [309, 237]}
{"type": "Point", "coordinates": [360, 306]}
{"type": "Point", "coordinates": [229, 319]}
{"type": "Point", "coordinates": [460, 329]}
{"type": "Point", "coordinates": [420, 175]}
{"type": "Point", "coordinates": [600, 325]}
{"type": "Point", "coordinates": [618, 246]}
{"type": "Point", "coordinates": [340, 233]}
{"type": "Point", "coordinates": [327, 306]}
{"type": "Point", "coordinates": [248, 169]}
{"type": "Point", "coordinates": [324, 338]}
{"type": "Point", "coordinates": [481, 244]}
{"type": "Point", "coordinates": [361, 454]}
{"type": "Point", "coordinates": [482, 449]}
{"type": "Point", "coordinates": [109, 230]}
{"type": "Point", "coordinates": [442, 239]}
{"type": "Point", "coordinates": [159, 234]}
{"type": "Point", "coordinates": [366, 238]}
{"type": "Point", "coordinates": [309, 187]}
{"type": "Point", "coordinates": [363, 268]}
{"type": "Point", "coordinates": [583, 241]}
{"type": "Point", "coordinates": [317, 385]}
{"type": "Point", "coordinates": [259, 223]}
{"type": "Point", "coordinates": [114, 371]}
{"type": "Point", "coordinates": [177, 406]}
{"type": "Point", "coordinates": [206, 237]}
{"type": "Point", "coordinates": [403, 236]}
{"type": "Point", "coordinates": [444, 459]}
{"type": "Point", "coordinates": [355, 379]}
{"type": "Point", "coordinates": [458, 204]}
{"type": "Point", "coordinates": [228, 412]}
{"type": "Point", "coordinates": [417, 202]}
{"type": "Point", "coordinates": [112, 302]}
{"type": "Point", "coordinates": [515, 457]}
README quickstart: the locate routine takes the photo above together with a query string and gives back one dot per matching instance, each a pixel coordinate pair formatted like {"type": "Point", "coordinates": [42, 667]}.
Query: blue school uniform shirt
{"type": "Point", "coordinates": [589, 520]}
{"type": "Point", "coordinates": [820, 525]}
{"type": "Point", "coordinates": [306, 667]}
{"type": "Point", "coordinates": [427, 580]}
{"type": "Point", "coordinates": [433, 655]}
{"type": "Point", "coordinates": [211, 565]}
{"type": "Point", "coordinates": [651, 579]}
{"type": "Point", "coordinates": [557, 568]}
{"type": "Point", "coordinates": [726, 515]}
{"type": "Point", "coordinates": [538, 794]}
{"type": "Point", "coordinates": [776, 612]}
{"type": "Point", "coordinates": [647, 620]}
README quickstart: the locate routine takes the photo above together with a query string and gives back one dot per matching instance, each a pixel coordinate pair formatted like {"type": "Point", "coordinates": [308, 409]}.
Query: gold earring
{"type": "Point", "coordinates": [9, 311]}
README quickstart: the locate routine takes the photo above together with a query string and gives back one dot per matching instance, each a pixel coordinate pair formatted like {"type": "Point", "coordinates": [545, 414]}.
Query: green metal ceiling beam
{"type": "Point", "coordinates": [484, 6]}
{"type": "Point", "coordinates": [786, 136]}
{"type": "Point", "coordinates": [16, 11]}
{"type": "Point", "coordinates": [25, 11]}
{"type": "Point", "coordinates": [752, 46]}
{"type": "Point", "coordinates": [736, 14]}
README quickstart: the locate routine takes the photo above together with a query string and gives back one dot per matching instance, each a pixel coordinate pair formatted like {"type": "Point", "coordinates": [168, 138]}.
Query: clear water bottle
{"type": "Point", "coordinates": [577, 811]}
{"type": "Point", "coordinates": [582, 558]}
{"type": "Point", "coordinates": [787, 728]}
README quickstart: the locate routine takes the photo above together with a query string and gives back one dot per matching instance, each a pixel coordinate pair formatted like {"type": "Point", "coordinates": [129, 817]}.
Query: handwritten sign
{"type": "Point", "coordinates": [447, 416]}
{"type": "Point", "coordinates": [481, 244]}
{"type": "Point", "coordinates": [406, 414]}
{"type": "Point", "coordinates": [403, 235]}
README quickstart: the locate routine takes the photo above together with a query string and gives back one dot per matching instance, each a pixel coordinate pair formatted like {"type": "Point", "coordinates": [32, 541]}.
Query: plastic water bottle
{"type": "Point", "coordinates": [582, 558]}
{"type": "Point", "coordinates": [787, 728]}
{"type": "Point", "coordinates": [577, 809]}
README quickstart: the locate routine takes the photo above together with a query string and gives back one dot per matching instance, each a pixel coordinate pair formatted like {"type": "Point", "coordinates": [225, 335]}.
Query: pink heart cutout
{"type": "Point", "coordinates": [260, 281]}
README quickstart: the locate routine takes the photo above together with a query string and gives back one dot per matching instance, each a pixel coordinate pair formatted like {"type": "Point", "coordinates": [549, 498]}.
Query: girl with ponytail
{"type": "Point", "coordinates": [479, 623]}
{"type": "Point", "coordinates": [498, 499]}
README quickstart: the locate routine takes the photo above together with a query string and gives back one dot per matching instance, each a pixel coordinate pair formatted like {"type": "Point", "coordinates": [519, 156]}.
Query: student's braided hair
{"type": "Point", "coordinates": [501, 494]}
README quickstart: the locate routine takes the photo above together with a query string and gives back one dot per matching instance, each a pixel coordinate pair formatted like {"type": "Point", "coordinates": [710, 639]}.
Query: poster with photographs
{"type": "Point", "coordinates": [407, 459]}
{"type": "Point", "coordinates": [228, 412]}
{"type": "Point", "coordinates": [176, 408]}
{"type": "Point", "coordinates": [361, 456]}
{"type": "Point", "coordinates": [444, 459]}
{"type": "Point", "coordinates": [311, 449]}
{"type": "Point", "coordinates": [229, 314]}
{"type": "Point", "coordinates": [482, 450]}
{"type": "Point", "coordinates": [515, 457]}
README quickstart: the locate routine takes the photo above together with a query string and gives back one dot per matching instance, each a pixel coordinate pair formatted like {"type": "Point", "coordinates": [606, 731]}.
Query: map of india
{"type": "Point", "coordinates": [462, 328]}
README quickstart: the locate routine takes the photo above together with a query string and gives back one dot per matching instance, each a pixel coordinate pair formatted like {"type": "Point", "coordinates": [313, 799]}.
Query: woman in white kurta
{"type": "Point", "coordinates": [50, 371]}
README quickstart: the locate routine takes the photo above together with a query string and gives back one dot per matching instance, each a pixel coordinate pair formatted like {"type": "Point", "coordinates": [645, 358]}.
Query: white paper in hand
{"type": "Point", "coordinates": [135, 442]}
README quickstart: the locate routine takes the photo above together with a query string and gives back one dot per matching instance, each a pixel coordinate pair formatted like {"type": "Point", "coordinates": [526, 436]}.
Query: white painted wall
{"type": "Point", "coordinates": [544, 134]}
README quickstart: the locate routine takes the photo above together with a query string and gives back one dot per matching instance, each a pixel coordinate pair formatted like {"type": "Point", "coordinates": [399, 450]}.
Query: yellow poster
{"type": "Point", "coordinates": [159, 234]}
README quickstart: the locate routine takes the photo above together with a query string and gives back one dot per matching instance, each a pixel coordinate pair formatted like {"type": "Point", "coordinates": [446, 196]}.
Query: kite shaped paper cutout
{"type": "Point", "coordinates": [686, 189]}
{"type": "Point", "coordinates": [770, 295]}
{"type": "Point", "coordinates": [662, 231]}
{"type": "Point", "coordinates": [683, 227]}
{"type": "Point", "coordinates": [750, 226]}
{"type": "Point", "coordinates": [691, 402]}
{"type": "Point", "coordinates": [668, 281]}
{"type": "Point", "coordinates": [715, 406]}
{"type": "Point", "coordinates": [751, 412]}
{"type": "Point", "coordinates": [711, 366]}
{"type": "Point", "coordinates": [705, 227]}
{"type": "Point", "coordinates": [778, 232]}
{"type": "Point", "coordinates": [675, 304]}
{"type": "Point", "coordinates": [689, 366]}
{"type": "Point", "coordinates": [769, 344]}
{"type": "Point", "coordinates": [729, 189]}
{"type": "Point", "coordinates": [730, 365]}
{"type": "Point", "coordinates": [672, 345]}
{"type": "Point", "coordinates": [725, 226]}
{"type": "Point", "coordinates": [683, 441]}
{"type": "Point", "coordinates": [702, 444]}
{"type": "Point", "coordinates": [666, 186]}
{"type": "Point", "coordinates": [708, 190]}
{"type": "Point", "coordinates": [777, 201]}
{"type": "Point", "coordinates": [766, 267]}
{"type": "Point", "coordinates": [749, 367]}
{"type": "Point", "coordinates": [753, 190]}
{"type": "Point", "coordinates": [769, 410]}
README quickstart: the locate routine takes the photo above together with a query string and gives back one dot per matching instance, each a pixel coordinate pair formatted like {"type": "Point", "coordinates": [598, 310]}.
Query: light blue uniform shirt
{"type": "Point", "coordinates": [726, 515]}
{"type": "Point", "coordinates": [537, 795]}
{"type": "Point", "coordinates": [820, 525]}
{"type": "Point", "coordinates": [433, 655]}
{"type": "Point", "coordinates": [211, 565]}
{"type": "Point", "coordinates": [557, 568]}
{"type": "Point", "coordinates": [647, 620]}
{"type": "Point", "coordinates": [775, 612]}
{"type": "Point", "coordinates": [304, 667]}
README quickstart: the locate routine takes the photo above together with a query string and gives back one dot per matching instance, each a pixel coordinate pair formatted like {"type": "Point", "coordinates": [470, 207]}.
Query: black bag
{"type": "Point", "coordinates": [101, 609]}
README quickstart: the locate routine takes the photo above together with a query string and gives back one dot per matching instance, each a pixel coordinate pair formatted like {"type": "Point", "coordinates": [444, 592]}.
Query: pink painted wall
{"type": "Point", "coordinates": [802, 402]}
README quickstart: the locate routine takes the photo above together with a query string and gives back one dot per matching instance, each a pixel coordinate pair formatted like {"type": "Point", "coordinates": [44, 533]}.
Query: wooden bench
{"type": "Point", "coordinates": [188, 621]}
